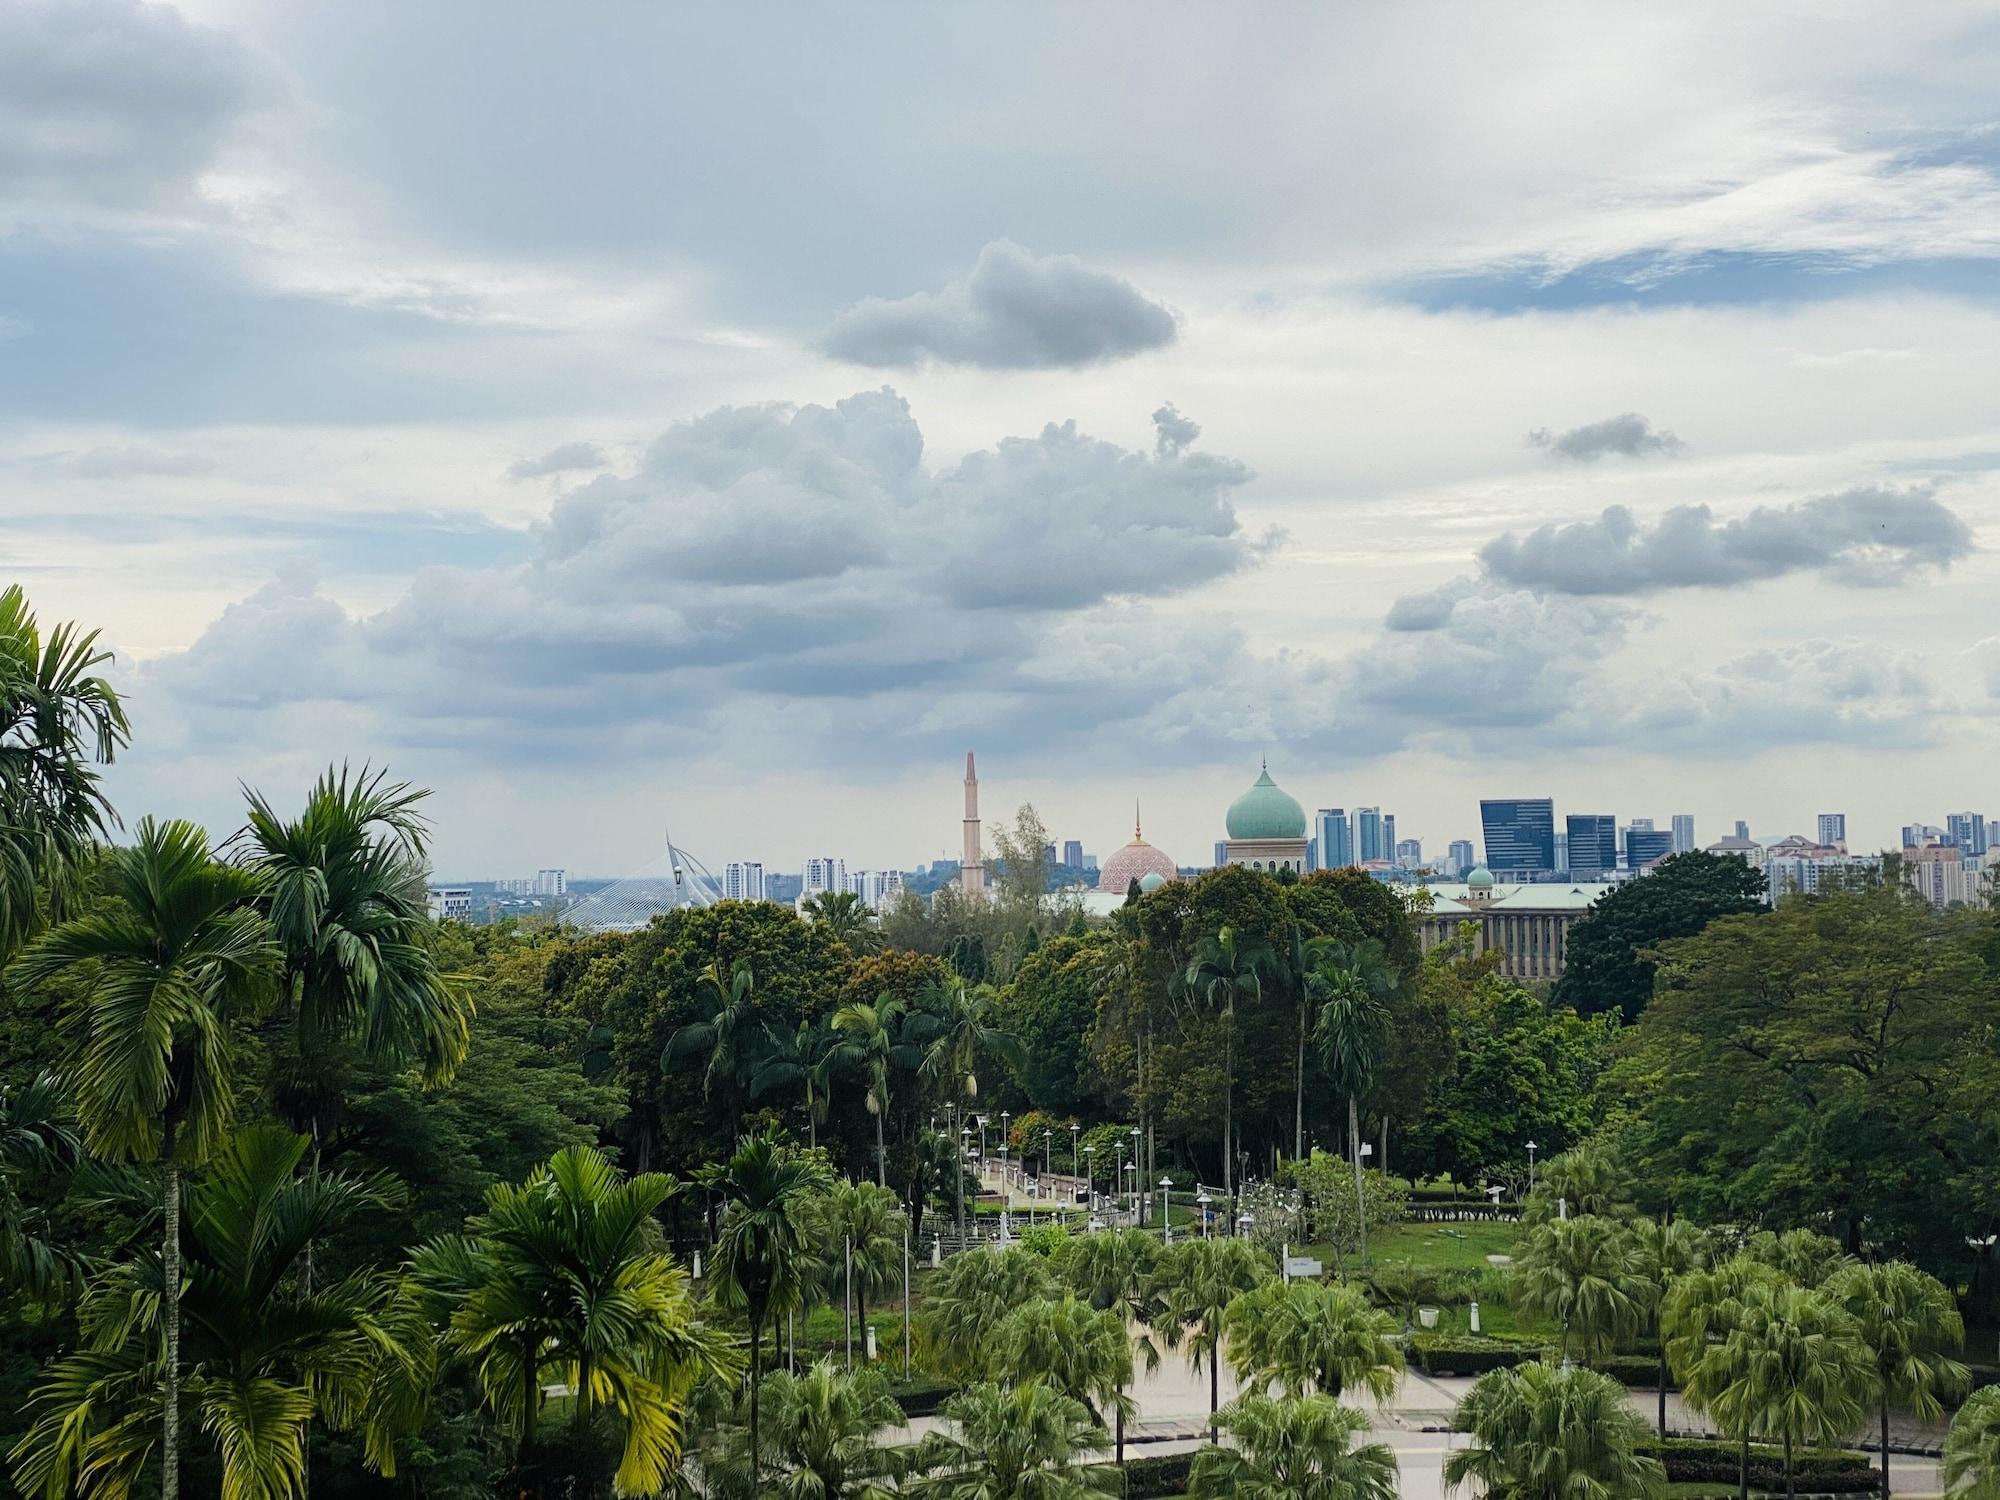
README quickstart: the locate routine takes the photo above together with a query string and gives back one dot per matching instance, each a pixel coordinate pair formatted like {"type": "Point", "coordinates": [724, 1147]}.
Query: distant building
{"type": "Point", "coordinates": [1410, 853]}
{"type": "Point", "coordinates": [972, 863]}
{"type": "Point", "coordinates": [1368, 835]}
{"type": "Point", "coordinates": [1530, 924]}
{"type": "Point", "coordinates": [1458, 858]}
{"type": "Point", "coordinates": [1645, 846]}
{"type": "Point", "coordinates": [1562, 852]}
{"type": "Point", "coordinates": [1389, 836]}
{"type": "Point", "coordinates": [1939, 874]}
{"type": "Point", "coordinates": [1336, 838]}
{"type": "Point", "coordinates": [1593, 845]}
{"type": "Point", "coordinates": [821, 876]}
{"type": "Point", "coordinates": [1683, 833]}
{"type": "Point", "coordinates": [876, 888]}
{"type": "Point", "coordinates": [451, 903]}
{"type": "Point", "coordinates": [1520, 835]}
{"type": "Point", "coordinates": [551, 882]}
{"type": "Point", "coordinates": [743, 880]}
{"type": "Point", "coordinates": [1833, 830]}
{"type": "Point", "coordinates": [1743, 847]}
{"type": "Point", "coordinates": [1916, 835]}
{"type": "Point", "coordinates": [1742, 829]}
{"type": "Point", "coordinates": [1073, 853]}
{"type": "Point", "coordinates": [1266, 828]}
{"type": "Point", "coordinates": [1796, 866]}
{"type": "Point", "coordinates": [1312, 854]}
{"type": "Point", "coordinates": [1221, 853]}
{"type": "Point", "coordinates": [1967, 831]}
{"type": "Point", "coordinates": [1138, 861]}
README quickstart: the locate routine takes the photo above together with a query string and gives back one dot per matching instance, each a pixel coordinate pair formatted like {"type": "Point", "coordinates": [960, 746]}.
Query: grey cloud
{"type": "Point", "coordinates": [114, 104]}
{"type": "Point", "coordinates": [1014, 311]}
{"type": "Point", "coordinates": [1628, 435]}
{"type": "Point", "coordinates": [1172, 431]}
{"type": "Point", "coordinates": [566, 458]}
{"type": "Point", "coordinates": [1869, 534]}
{"type": "Point", "coordinates": [1849, 692]}
{"type": "Point", "coordinates": [1430, 609]}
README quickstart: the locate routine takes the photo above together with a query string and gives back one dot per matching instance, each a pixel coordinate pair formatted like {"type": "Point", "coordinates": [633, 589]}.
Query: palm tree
{"type": "Point", "coordinates": [1196, 1282]}
{"type": "Point", "coordinates": [763, 1255]}
{"type": "Point", "coordinates": [724, 1031]}
{"type": "Point", "coordinates": [265, 1353]}
{"type": "Point", "coordinates": [969, 1297]}
{"type": "Point", "coordinates": [1909, 1323]}
{"type": "Point", "coordinates": [819, 1439]}
{"type": "Point", "coordinates": [1802, 1373]}
{"type": "Point", "coordinates": [343, 889]}
{"type": "Point", "coordinates": [798, 1059]}
{"type": "Point", "coordinates": [59, 720]}
{"type": "Point", "coordinates": [1699, 1313]}
{"type": "Point", "coordinates": [1584, 1180]}
{"type": "Point", "coordinates": [1668, 1249]}
{"type": "Point", "coordinates": [37, 1144]}
{"type": "Point", "coordinates": [955, 1026]}
{"type": "Point", "coordinates": [175, 958]}
{"type": "Point", "coordinates": [1114, 1269]}
{"type": "Point", "coordinates": [1312, 1337]}
{"type": "Point", "coordinates": [1022, 1442]}
{"type": "Point", "coordinates": [1082, 1351]}
{"type": "Point", "coordinates": [1972, 1448]}
{"type": "Point", "coordinates": [1351, 980]}
{"type": "Point", "coordinates": [1297, 1448]}
{"type": "Point", "coordinates": [1804, 1255]}
{"type": "Point", "coordinates": [1543, 1433]}
{"type": "Point", "coordinates": [1587, 1275]}
{"type": "Point", "coordinates": [843, 914]}
{"type": "Point", "coordinates": [859, 1224]}
{"type": "Point", "coordinates": [871, 1040]}
{"type": "Point", "coordinates": [565, 1277]}
{"type": "Point", "coordinates": [1227, 967]}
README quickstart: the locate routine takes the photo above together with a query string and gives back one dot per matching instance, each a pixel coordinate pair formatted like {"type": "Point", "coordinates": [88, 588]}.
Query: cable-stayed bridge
{"type": "Point", "coordinates": [675, 880]}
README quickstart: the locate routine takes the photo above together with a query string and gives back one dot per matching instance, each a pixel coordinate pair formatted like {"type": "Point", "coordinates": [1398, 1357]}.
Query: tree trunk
{"type": "Point", "coordinates": [1663, 1394]}
{"type": "Point", "coordinates": [1885, 1449]}
{"type": "Point", "coordinates": [1214, 1378]}
{"type": "Point", "coordinates": [1360, 1197]}
{"type": "Point", "coordinates": [1743, 1470]}
{"type": "Point", "coordinates": [524, 1452]}
{"type": "Point", "coordinates": [756, 1371]}
{"type": "Point", "coordinates": [1228, 1111]}
{"type": "Point", "coordinates": [812, 1120]}
{"type": "Point", "coordinates": [881, 1154]}
{"type": "Point", "coordinates": [1382, 1149]}
{"type": "Point", "coordinates": [1791, 1485]}
{"type": "Point", "coordinates": [1299, 1094]}
{"type": "Point", "coordinates": [1120, 1420]}
{"type": "Point", "coordinates": [170, 1396]}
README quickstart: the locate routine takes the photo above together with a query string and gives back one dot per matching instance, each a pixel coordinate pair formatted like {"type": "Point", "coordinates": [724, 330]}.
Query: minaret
{"type": "Point", "coordinates": [971, 864]}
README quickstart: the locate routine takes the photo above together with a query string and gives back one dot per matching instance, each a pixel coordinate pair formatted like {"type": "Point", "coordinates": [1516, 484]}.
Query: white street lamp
{"type": "Point", "coordinates": [1166, 1219]}
{"type": "Point", "coordinates": [1203, 1200]}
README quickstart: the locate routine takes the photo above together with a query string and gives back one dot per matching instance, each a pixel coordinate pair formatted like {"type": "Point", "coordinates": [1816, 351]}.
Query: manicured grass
{"type": "Point", "coordinates": [1444, 1247]}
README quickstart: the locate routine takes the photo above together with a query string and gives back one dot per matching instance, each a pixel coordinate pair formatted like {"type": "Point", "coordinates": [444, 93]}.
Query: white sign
{"type": "Point", "coordinates": [1302, 1266]}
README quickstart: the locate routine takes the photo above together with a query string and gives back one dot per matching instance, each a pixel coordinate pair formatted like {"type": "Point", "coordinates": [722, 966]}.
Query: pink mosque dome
{"type": "Point", "coordinates": [1135, 861]}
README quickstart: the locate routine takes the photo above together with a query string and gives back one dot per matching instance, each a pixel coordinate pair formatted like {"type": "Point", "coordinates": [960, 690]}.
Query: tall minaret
{"type": "Point", "coordinates": [971, 864]}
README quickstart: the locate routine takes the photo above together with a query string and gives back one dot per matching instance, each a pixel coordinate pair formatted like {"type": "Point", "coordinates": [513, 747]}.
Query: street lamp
{"type": "Point", "coordinates": [1531, 1166]}
{"type": "Point", "coordinates": [964, 1150]}
{"type": "Point", "coordinates": [1203, 1200]}
{"type": "Point", "coordinates": [1141, 1205]}
{"type": "Point", "coordinates": [1361, 1156]}
{"type": "Point", "coordinates": [1166, 1219]}
{"type": "Point", "coordinates": [1090, 1182]}
{"type": "Point", "coordinates": [1073, 1129]}
{"type": "Point", "coordinates": [1244, 1222]}
{"type": "Point", "coordinates": [1006, 1193]}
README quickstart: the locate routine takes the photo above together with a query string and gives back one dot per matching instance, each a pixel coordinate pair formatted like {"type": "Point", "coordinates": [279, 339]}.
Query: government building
{"type": "Point", "coordinates": [1528, 923]}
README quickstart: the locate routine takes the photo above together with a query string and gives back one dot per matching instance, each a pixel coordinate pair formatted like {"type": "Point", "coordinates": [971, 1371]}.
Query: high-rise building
{"type": "Point", "coordinates": [743, 880]}
{"type": "Point", "coordinates": [451, 903]}
{"type": "Point", "coordinates": [1459, 857]}
{"type": "Point", "coordinates": [1683, 832]}
{"type": "Point", "coordinates": [1644, 824]}
{"type": "Point", "coordinates": [551, 882]}
{"type": "Point", "coordinates": [1221, 853]}
{"type": "Point", "coordinates": [822, 875]}
{"type": "Point", "coordinates": [1520, 835]}
{"type": "Point", "coordinates": [1833, 830]}
{"type": "Point", "coordinates": [1073, 853]}
{"type": "Point", "coordinates": [1939, 873]}
{"type": "Point", "coordinates": [1336, 838]}
{"type": "Point", "coordinates": [1742, 829]}
{"type": "Point", "coordinates": [1388, 835]}
{"type": "Point", "coordinates": [1593, 845]}
{"type": "Point", "coordinates": [1966, 831]}
{"type": "Point", "coordinates": [1410, 853]}
{"type": "Point", "coordinates": [1368, 835]}
{"type": "Point", "coordinates": [876, 888]}
{"type": "Point", "coordinates": [1916, 835]}
{"type": "Point", "coordinates": [1562, 851]}
{"type": "Point", "coordinates": [1644, 845]}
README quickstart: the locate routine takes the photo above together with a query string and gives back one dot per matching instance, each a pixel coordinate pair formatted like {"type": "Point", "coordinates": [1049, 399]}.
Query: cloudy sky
{"type": "Point", "coordinates": [625, 416]}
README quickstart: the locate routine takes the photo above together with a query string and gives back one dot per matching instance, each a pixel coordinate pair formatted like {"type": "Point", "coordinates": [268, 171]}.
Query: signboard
{"type": "Point", "coordinates": [1302, 1266]}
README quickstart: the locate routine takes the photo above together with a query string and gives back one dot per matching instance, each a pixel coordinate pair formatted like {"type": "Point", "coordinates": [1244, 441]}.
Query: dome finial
{"type": "Point", "coordinates": [1135, 818]}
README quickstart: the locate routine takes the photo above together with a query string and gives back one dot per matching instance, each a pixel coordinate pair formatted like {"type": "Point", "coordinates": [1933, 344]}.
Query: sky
{"type": "Point", "coordinates": [623, 417]}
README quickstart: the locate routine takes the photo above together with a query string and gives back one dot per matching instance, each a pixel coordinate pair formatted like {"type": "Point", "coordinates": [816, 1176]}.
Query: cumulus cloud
{"type": "Point", "coordinates": [1846, 691]}
{"type": "Point", "coordinates": [1172, 431]}
{"type": "Point", "coordinates": [1868, 534]}
{"type": "Point", "coordinates": [1627, 435]}
{"type": "Point", "coordinates": [1014, 311]}
{"type": "Point", "coordinates": [566, 458]}
{"type": "Point", "coordinates": [1430, 609]}
{"type": "Point", "coordinates": [113, 104]}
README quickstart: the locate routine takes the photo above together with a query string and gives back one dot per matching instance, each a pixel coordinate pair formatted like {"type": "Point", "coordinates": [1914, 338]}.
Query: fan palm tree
{"type": "Point", "coordinates": [872, 1040]}
{"type": "Point", "coordinates": [37, 1144]}
{"type": "Point", "coordinates": [1196, 1281]}
{"type": "Point", "coordinates": [1667, 1249]}
{"type": "Point", "coordinates": [1082, 1351]}
{"type": "Point", "coordinates": [763, 1255]}
{"type": "Point", "coordinates": [564, 1277]}
{"type": "Point", "coordinates": [176, 957]}
{"type": "Point", "coordinates": [1802, 1376]}
{"type": "Point", "coordinates": [1351, 981]}
{"type": "Point", "coordinates": [1697, 1316]}
{"type": "Point", "coordinates": [843, 914]}
{"type": "Point", "coordinates": [59, 721]}
{"type": "Point", "coordinates": [1584, 1180]}
{"type": "Point", "coordinates": [1312, 1337]}
{"type": "Point", "coordinates": [859, 1224]}
{"type": "Point", "coordinates": [1022, 1442]}
{"type": "Point", "coordinates": [1587, 1275]}
{"type": "Point", "coordinates": [723, 1034]}
{"type": "Point", "coordinates": [1297, 1448]}
{"type": "Point", "coordinates": [1804, 1255]}
{"type": "Point", "coordinates": [797, 1060]}
{"type": "Point", "coordinates": [954, 1025]}
{"type": "Point", "coordinates": [1909, 1324]}
{"type": "Point", "coordinates": [265, 1354]}
{"type": "Point", "coordinates": [819, 1439]}
{"type": "Point", "coordinates": [1972, 1448]}
{"type": "Point", "coordinates": [1226, 968]}
{"type": "Point", "coordinates": [1113, 1269]}
{"type": "Point", "coordinates": [343, 889]}
{"type": "Point", "coordinates": [1543, 1433]}
{"type": "Point", "coordinates": [969, 1297]}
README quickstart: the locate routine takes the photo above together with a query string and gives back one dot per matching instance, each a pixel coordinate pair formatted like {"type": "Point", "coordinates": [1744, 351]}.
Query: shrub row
{"type": "Point", "coordinates": [1825, 1471]}
{"type": "Point", "coordinates": [1460, 1354]}
{"type": "Point", "coordinates": [1635, 1369]}
{"type": "Point", "coordinates": [922, 1398]}
{"type": "Point", "coordinates": [1159, 1474]}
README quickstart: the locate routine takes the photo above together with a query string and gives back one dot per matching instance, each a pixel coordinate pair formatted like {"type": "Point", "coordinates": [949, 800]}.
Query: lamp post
{"type": "Point", "coordinates": [1244, 1223]}
{"type": "Point", "coordinates": [1361, 1201]}
{"type": "Point", "coordinates": [1118, 1175]}
{"type": "Point", "coordinates": [964, 1150]}
{"type": "Point", "coordinates": [1090, 1182]}
{"type": "Point", "coordinates": [1005, 1195]}
{"type": "Point", "coordinates": [1138, 1202]}
{"type": "Point", "coordinates": [1137, 1180]}
{"type": "Point", "coordinates": [1166, 1219]}
{"type": "Point", "coordinates": [1203, 1200]}
{"type": "Point", "coordinates": [1073, 1129]}
{"type": "Point", "coordinates": [1531, 1166]}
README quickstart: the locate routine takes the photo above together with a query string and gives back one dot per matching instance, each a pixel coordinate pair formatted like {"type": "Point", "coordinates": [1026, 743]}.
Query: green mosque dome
{"type": "Point", "coordinates": [1151, 881]}
{"type": "Point", "coordinates": [1481, 879]}
{"type": "Point", "coordinates": [1266, 811]}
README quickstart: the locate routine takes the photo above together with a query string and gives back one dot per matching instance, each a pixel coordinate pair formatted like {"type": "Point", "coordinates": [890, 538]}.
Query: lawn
{"type": "Point", "coordinates": [1444, 1247]}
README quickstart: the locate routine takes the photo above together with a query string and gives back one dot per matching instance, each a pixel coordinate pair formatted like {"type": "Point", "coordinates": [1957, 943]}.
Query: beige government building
{"type": "Point", "coordinates": [1529, 923]}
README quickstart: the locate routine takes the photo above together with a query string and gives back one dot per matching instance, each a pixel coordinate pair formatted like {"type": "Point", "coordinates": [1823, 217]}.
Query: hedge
{"type": "Point", "coordinates": [1159, 1474]}
{"type": "Point", "coordinates": [1824, 1471]}
{"type": "Point", "coordinates": [1635, 1369]}
{"type": "Point", "coordinates": [922, 1398]}
{"type": "Point", "coordinates": [1458, 1354]}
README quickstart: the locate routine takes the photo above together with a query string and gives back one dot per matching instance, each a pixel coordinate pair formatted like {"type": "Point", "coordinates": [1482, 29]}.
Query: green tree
{"type": "Point", "coordinates": [59, 721]}
{"type": "Point", "coordinates": [1296, 1448]}
{"type": "Point", "coordinates": [969, 1297]}
{"type": "Point", "coordinates": [563, 1278]}
{"type": "Point", "coordinates": [176, 958]}
{"type": "Point", "coordinates": [724, 1036]}
{"type": "Point", "coordinates": [1668, 1249]}
{"type": "Point", "coordinates": [1050, 1007]}
{"type": "Point", "coordinates": [1312, 1337]}
{"type": "Point", "coordinates": [797, 1059]}
{"type": "Point", "coordinates": [1909, 1324]}
{"type": "Point", "coordinates": [764, 1253]}
{"type": "Point", "coordinates": [819, 1439]}
{"type": "Point", "coordinates": [37, 1147]}
{"type": "Point", "coordinates": [1802, 1375]}
{"type": "Point", "coordinates": [957, 1025]}
{"type": "Point", "coordinates": [872, 1042]}
{"type": "Point", "coordinates": [1587, 1275]}
{"type": "Point", "coordinates": [1195, 1282]}
{"type": "Point", "coordinates": [844, 915]}
{"type": "Point", "coordinates": [1116, 1270]}
{"type": "Point", "coordinates": [1022, 1442]}
{"type": "Point", "coordinates": [1543, 1433]}
{"type": "Point", "coordinates": [1701, 1311]}
{"type": "Point", "coordinates": [1225, 968]}
{"type": "Point", "coordinates": [1972, 1448]}
{"type": "Point", "coordinates": [1802, 1255]}
{"type": "Point", "coordinates": [1610, 953]}
{"type": "Point", "coordinates": [266, 1354]}
{"type": "Point", "coordinates": [1082, 1351]}
{"type": "Point", "coordinates": [1351, 981]}
{"type": "Point", "coordinates": [1586, 1179]}
{"type": "Point", "coordinates": [865, 1220]}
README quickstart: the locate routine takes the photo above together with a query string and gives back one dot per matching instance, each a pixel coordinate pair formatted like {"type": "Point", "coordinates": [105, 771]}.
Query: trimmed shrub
{"type": "Point", "coordinates": [1460, 1354]}
{"type": "Point", "coordinates": [1635, 1369]}
{"type": "Point", "coordinates": [922, 1398]}
{"type": "Point", "coordinates": [1159, 1474]}
{"type": "Point", "coordinates": [1823, 1471]}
